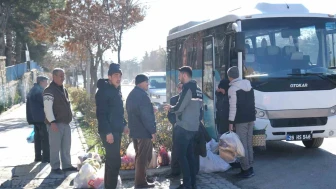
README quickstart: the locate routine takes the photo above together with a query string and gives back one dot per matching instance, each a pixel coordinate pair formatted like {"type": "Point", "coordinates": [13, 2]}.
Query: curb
{"type": "Point", "coordinates": [81, 136]}
{"type": "Point", "coordinates": [14, 107]}
{"type": "Point", "coordinates": [130, 174]}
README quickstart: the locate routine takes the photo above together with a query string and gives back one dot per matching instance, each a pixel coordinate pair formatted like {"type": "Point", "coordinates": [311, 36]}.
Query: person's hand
{"type": "Point", "coordinates": [109, 138]}
{"type": "Point", "coordinates": [220, 90]}
{"type": "Point", "coordinates": [231, 127]}
{"type": "Point", "coordinates": [167, 107]}
{"type": "Point", "coordinates": [153, 137]}
{"type": "Point", "coordinates": [53, 127]}
{"type": "Point", "coordinates": [126, 130]}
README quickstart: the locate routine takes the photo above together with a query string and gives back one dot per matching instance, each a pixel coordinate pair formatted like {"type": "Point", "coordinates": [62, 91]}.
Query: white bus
{"type": "Point", "coordinates": [285, 50]}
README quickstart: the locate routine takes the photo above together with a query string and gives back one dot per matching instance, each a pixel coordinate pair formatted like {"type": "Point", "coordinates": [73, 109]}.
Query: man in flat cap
{"type": "Point", "coordinates": [35, 116]}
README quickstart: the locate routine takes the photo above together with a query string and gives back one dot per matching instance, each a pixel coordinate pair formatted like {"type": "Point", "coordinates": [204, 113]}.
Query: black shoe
{"type": "Point", "coordinates": [146, 186]}
{"type": "Point", "coordinates": [246, 174]}
{"type": "Point", "coordinates": [57, 171]}
{"type": "Point", "coordinates": [172, 176]}
{"type": "Point", "coordinates": [150, 180]}
{"type": "Point", "coordinates": [70, 169]}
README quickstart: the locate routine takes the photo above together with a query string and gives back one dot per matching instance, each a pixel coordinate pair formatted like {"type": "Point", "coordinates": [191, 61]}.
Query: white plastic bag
{"type": "Point", "coordinates": [213, 146]}
{"type": "Point", "coordinates": [212, 163]}
{"type": "Point", "coordinates": [130, 152]}
{"type": "Point", "coordinates": [85, 174]}
{"type": "Point", "coordinates": [230, 142]}
{"type": "Point", "coordinates": [153, 164]}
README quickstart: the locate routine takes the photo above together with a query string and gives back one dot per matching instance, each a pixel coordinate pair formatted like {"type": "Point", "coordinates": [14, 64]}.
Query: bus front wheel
{"type": "Point", "coordinates": [314, 143]}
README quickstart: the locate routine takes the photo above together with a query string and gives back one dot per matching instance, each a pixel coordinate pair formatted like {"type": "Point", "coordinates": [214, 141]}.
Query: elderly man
{"type": "Point", "coordinates": [141, 121]}
{"type": "Point", "coordinates": [58, 116]}
{"type": "Point", "coordinates": [36, 117]}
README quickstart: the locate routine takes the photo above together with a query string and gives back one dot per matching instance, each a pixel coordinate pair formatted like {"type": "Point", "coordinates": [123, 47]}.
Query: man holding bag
{"type": "Point", "coordinates": [242, 114]}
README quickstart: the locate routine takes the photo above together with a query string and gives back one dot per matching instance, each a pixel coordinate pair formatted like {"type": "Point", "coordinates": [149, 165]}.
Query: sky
{"type": "Point", "coordinates": [164, 15]}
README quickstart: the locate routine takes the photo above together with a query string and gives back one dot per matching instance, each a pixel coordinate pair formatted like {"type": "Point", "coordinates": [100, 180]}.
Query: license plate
{"type": "Point", "coordinates": [298, 136]}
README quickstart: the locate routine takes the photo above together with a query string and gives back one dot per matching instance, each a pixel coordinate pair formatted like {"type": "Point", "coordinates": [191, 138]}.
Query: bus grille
{"type": "Point", "coordinates": [299, 122]}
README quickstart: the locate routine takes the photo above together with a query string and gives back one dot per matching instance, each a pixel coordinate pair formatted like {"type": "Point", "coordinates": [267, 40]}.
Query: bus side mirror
{"type": "Point", "coordinates": [240, 42]}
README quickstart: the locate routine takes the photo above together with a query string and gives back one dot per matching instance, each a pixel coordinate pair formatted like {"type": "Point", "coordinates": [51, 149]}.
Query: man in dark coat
{"type": "Point", "coordinates": [111, 122]}
{"type": "Point", "coordinates": [35, 116]}
{"type": "Point", "coordinates": [222, 106]}
{"type": "Point", "coordinates": [141, 121]}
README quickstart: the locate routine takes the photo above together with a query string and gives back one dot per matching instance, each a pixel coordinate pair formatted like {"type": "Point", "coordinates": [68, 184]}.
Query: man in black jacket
{"type": "Point", "coordinates": [141, 121]}
{"type": "Point", "coordinates": [242, 114]}
{"type": "Point", "coordinates": [175, 168]}
{"type": "Point", "coordinates": [111, 122]}
{"type": "Point", "coordinates": [35, 116]}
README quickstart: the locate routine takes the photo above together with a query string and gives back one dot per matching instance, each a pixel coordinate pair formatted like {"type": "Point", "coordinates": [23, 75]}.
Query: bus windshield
{"type": "Point", "coordinates": [277, 46]}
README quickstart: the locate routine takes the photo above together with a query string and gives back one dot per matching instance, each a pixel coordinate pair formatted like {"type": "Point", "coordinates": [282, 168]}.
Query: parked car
{"type": "Point", "coordinates": [157, 88]}
{"type": "Point", "coordinates": [125, 82]}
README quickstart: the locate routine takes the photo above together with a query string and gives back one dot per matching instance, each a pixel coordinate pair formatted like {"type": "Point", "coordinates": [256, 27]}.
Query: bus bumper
{"type": "Point", "coordinates": [280, 133]}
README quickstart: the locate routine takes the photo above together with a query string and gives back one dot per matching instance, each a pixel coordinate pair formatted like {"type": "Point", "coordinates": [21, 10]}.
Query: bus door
{"type": "Point", "coordinates": [208, 86]}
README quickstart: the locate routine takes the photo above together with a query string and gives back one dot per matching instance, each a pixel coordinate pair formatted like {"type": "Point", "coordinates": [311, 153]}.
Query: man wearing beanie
{"type": "Point", "coordinates": [141, 121]}
{"type": "Point", "coordinates": [242, 114]}
{"type": "Point", "coordinates": [111, 122]}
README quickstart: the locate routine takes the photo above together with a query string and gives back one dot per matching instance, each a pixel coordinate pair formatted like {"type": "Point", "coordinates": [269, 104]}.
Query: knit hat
{"type": "Point", "coordinates": [233, 72]}
{"type": "Point", "coordinates": [41, 78]}
{"type": "Point", "coordinates": [114, 68]}
{"type": "Point", "coordinates": [140, 78]}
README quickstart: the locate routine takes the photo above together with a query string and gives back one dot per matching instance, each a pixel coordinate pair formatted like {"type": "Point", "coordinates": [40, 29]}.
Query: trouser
{"type": "Point", "coordinates": [60, 145]}
{"type": "Point", "coordinates": [174, 165]}
{"type": "Point", "coordinates": [143, 156]}
{"type": "Point", "coordinates": [185, 155]}
{"type": "Point", "coordinates": [245, 133]}
{"type": "Point", "coordinates": [41, 143]}
{"type": "Point", "coordinates": [113, 161]}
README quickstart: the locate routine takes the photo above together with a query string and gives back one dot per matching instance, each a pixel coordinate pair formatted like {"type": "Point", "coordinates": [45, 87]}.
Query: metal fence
{"type": "Point", "coordinates": [16, 72]}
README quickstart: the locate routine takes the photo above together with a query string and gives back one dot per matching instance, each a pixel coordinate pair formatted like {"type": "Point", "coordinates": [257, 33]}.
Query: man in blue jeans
{"type": "Point", "coordinates": [187, 125]}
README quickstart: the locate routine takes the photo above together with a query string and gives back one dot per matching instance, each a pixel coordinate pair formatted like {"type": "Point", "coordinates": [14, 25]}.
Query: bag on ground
{"type": "Point", "coordinates": [230, 147]}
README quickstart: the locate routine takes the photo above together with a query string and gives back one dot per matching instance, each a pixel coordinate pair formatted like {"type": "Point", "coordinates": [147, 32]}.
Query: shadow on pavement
{"type": "Point", "coordinates": [23, 175]}
{"type": "Point", "coordinates": [13, 123]}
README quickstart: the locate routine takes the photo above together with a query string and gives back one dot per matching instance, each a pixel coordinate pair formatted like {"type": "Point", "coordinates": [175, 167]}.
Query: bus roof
{"type": "Point", "coordinates": [260, 10]}
{"type": "Point", "coordinates": [155, 74]}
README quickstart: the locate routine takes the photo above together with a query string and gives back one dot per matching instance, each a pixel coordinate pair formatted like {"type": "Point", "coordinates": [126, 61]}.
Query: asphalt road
{"type": "Point", "coordinates": [287, 165]}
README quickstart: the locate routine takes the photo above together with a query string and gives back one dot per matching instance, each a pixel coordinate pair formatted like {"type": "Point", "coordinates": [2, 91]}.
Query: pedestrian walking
{"type": "Point", "coordinates": [187, 111]}
{"type": "Point", "coordinates": [242, 114]}
{"type": "Point", "coordinates": [58, 116]}
{"type": "Point", "coordinates": [35, 116]}
{"type": "Point", "coordinates": [141, 120]}
{"type": "Point", "coordinates": [111, 122]}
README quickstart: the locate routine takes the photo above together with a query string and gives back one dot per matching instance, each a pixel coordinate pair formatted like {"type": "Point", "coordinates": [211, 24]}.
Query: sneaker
{"type": "Point", "coordinates": [246, 174]}
{"type": "Point", "coordinates": [70, 169]}
{"type": "Point", "coordinates": [57, 171]}
{"type": "Point", "coordinates": [145, 186]}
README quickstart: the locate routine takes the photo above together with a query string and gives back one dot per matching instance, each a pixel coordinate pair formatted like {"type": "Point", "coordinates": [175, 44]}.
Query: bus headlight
{"type": "Point", "coordinates": [260, 113]}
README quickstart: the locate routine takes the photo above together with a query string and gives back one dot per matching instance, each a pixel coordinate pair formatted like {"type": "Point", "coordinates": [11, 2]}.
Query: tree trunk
{"type": "Point", "coordinates": [93, 74]}
{"type": "Point", "coordinates": [9, 47]}
{"type": "Point", "coordinates": [102, 70]}
{"type": "Point", "coordinates": [5, 11]}
{"type": "Point", "coordinates": [18, 50]}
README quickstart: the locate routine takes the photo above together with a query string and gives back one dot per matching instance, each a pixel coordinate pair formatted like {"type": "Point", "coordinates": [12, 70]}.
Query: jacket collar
{"type": "Point", "coordinates": [138, 88]}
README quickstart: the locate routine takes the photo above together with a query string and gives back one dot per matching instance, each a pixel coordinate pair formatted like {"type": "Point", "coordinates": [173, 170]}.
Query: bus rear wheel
{"type": "Point", "coordinates": [314, 143]}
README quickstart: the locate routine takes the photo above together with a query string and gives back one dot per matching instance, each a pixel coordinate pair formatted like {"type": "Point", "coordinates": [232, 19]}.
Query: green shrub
{"type": "Point", "coordinates": [85, 104]}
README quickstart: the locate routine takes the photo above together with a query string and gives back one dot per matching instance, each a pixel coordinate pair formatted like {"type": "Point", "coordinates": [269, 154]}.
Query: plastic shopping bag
{"type": "Point", "coordinates": [30, 138]}
{"type": "Point", "coordinates": [230, 147]}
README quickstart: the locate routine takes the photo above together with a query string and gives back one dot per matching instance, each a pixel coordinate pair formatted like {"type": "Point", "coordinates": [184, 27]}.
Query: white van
{"type": "Point", "coordinates": [157, 87]}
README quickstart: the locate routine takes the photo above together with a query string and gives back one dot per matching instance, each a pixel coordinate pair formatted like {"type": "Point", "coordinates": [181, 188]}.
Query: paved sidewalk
{"type": "Point", "coordinates": [17, 169]}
